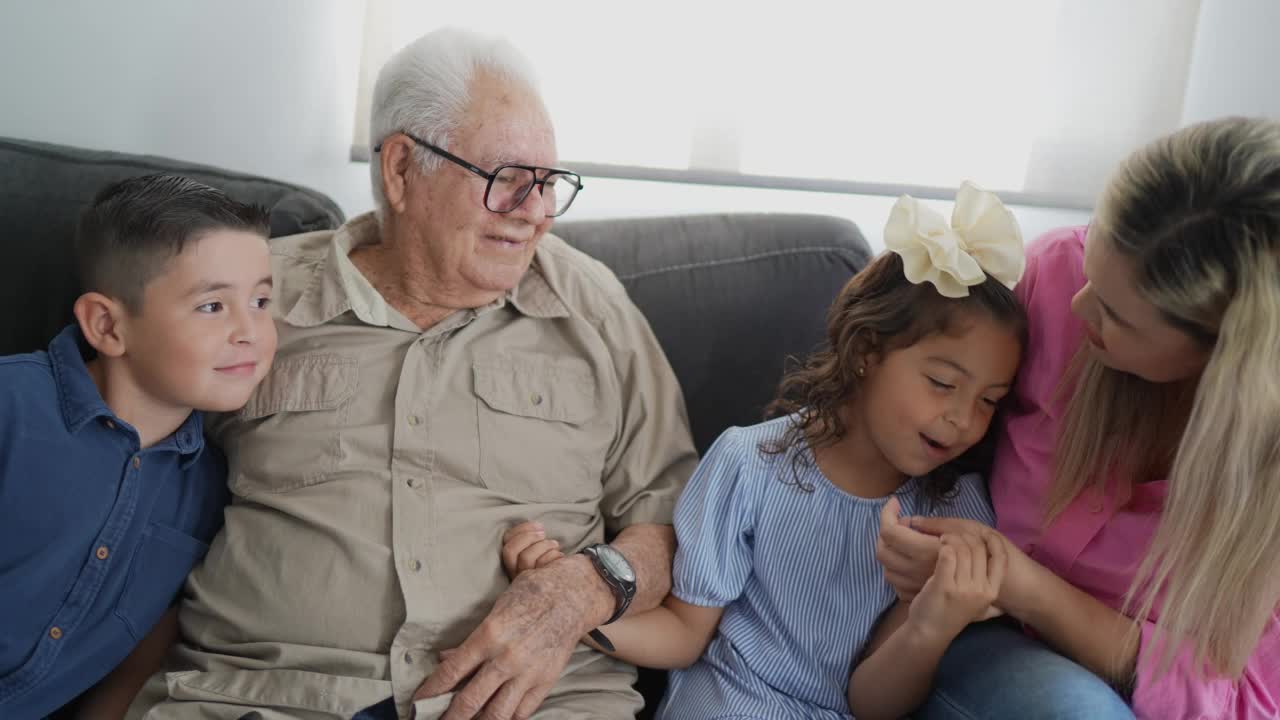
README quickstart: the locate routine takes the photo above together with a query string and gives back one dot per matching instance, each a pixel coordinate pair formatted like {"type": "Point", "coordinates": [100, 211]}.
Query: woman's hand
{"type": "Point", "coordinates": [1017, 591]}
{"type": "Point", "coordinates": [525, 547]}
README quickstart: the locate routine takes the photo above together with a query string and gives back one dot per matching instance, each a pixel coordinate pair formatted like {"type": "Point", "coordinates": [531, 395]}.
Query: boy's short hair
{"type": "Point", "coordinates": [136, 226]}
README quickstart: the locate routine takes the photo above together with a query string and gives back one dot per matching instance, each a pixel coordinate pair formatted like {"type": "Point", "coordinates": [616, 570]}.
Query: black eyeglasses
{"type": "Point", "coordinates": [509, 185]}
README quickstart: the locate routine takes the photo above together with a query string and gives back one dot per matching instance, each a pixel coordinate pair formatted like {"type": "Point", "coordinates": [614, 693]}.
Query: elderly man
{"type": "Point", "coordinates": [446, 370]}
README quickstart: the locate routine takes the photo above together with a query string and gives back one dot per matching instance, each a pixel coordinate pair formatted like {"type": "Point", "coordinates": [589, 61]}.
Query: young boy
{"type": "Point", "coordinates": [108, 493]}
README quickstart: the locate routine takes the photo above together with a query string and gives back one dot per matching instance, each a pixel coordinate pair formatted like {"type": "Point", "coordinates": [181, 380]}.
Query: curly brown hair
{"type": "Point", "coordinates": [879, 311]}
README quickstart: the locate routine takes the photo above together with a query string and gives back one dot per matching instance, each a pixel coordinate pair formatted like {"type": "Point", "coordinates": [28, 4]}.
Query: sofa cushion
{"type": "Point", "coordinates": [44, 187]}
{"type": "Point", "coordinates": [729, 297]}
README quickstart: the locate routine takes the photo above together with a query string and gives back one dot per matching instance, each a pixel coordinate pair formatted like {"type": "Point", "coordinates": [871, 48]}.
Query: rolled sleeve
{"type": "Point", "coordinates": [652, 455]}
{"type": "Point", "coordinates": [1182, 692]}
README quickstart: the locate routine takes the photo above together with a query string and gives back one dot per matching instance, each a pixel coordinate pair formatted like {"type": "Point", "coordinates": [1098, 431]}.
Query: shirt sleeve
{"type": "Point", "coordinates": [652, 455]}
{"type": "Point", "coordinates": [1181, 692]}
{"type": "Point", "coordinates": [714, 527]}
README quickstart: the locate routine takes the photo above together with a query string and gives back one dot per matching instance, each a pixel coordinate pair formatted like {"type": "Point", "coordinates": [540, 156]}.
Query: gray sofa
{"type": "Point", "coordinates": [730, 297]}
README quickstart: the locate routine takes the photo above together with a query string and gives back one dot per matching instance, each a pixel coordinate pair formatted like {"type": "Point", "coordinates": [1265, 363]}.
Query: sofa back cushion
{"type": "Point", "coordinates": [729, 297]}
{"type": "Point", "coordinates": [43, 189]}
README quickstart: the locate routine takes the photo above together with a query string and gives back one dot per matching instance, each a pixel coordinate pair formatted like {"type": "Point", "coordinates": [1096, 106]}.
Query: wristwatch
{"type": "Point", "coordinates": [620, 578]}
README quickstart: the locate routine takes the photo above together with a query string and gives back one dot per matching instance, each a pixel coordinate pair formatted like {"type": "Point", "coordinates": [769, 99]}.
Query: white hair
{"type": "Point", "coordinates": [424, 89]}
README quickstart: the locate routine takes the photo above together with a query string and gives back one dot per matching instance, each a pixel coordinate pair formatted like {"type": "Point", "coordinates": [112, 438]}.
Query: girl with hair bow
{"type": "Point", "coordinates": [777, 593]}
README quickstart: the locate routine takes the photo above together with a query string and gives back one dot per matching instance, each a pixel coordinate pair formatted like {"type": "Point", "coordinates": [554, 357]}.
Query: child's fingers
{"type": "Point", "coordinates": [528, 558]}
{"type": "Point", "coordinates": [999, 559]}
{"type": "Point", "coordinates": [964, 558]}
{"type": "Point", "coordinates": [901, 538]}
{"type": "Point", "coordinates": [523, 528]}
{"type": "Point", "coordinates": [906, 586]}
{"type": "Point", "coordinates": [895, 560]}
{"type": "Point", "coordinates": [889, 513]}
{"type": "Point", "coordinates": [514, 546]}
{"type": "Point", "coordinates": [978, 553]}
{"type": "Point", "coordinates": [947, 562]}
{"type": "Point", "coordinates": [549, 557]}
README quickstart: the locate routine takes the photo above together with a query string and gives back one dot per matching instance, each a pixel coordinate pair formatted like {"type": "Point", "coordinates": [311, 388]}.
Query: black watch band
{"type": "Point", "coordinates": [602, 640]}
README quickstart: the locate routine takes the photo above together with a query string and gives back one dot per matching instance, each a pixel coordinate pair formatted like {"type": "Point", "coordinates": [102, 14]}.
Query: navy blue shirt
{"type": "Point", "coordinates": [96, 535]}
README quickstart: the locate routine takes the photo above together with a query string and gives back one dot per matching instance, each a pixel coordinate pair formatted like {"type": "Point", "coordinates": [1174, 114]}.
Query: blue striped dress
{"type": "Point", "coordinates": [796, 574]}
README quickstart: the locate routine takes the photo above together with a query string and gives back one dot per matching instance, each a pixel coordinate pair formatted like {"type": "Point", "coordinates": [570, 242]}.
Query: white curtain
{"type": "Point", "coordinates": [1036, 99]}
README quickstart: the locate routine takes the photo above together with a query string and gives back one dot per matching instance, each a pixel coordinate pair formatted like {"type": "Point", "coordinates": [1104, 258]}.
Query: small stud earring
{"type": "Point", "coordinates": [860, 372]}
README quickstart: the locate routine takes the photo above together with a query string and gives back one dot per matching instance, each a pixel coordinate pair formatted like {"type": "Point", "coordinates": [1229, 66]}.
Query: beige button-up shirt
{"type": "Point", "coordinates": [376, 468]}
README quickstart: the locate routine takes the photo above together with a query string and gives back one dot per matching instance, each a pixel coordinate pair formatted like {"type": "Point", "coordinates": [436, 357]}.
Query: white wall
{"type": "Point", "coordinates": [265, 87]}
{"type": "Point", "coordinates": [268, 87]}
{"type": "Point", "coordinates": [1236, 66]}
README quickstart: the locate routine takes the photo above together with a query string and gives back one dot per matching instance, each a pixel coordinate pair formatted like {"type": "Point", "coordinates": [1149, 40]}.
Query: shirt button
{"type": "Point", "coordinates": [137, 462]}
{"type": "Point", "coordinates": [408, 657]}
{"type": "Point", "coordinates": [536, 399]}
{"type": "Point", "coordinates": [415, 565]}
{"type": "Point", "coordinates": [414, 420]}
{"type": "Point", "coordinates": [55, 632]}
{"type": "Point", "coordinates": [102, 552]}
{"type": "Point", "coordinates": [415, 482]}
{"type": "Point", "coordinates": [111, 425]}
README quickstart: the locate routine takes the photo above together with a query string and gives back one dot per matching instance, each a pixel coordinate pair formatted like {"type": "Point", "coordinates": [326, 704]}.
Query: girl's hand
{"type": "Point", "coordinates": [907, 556]}
{"type": "Point", "coordinates": [1020, 585]}
{"type": "Point", "coordinates": [525, 547]}
{"type": "Point", "coordinates": [964, 585]}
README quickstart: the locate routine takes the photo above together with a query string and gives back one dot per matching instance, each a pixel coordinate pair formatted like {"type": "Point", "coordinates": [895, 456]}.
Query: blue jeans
{"type": "Point", "coordinates": [993, 670]}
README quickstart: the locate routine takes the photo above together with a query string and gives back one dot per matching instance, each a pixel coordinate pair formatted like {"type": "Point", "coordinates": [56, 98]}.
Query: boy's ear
{"type": "Point", "coordinates": [101, 320]}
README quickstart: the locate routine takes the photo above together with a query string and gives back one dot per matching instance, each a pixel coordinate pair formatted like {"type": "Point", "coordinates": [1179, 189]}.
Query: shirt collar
{"type": "Point", "coordinates": [338, 287]}
{"type": "Point", "coordinates": [81, 402]}
{"type": "Point", "coordinates": [187, 440]}
{"type": "Point", "coordinates": [78, 396]}
{"type": "Point", "coordinates": [534, 296]}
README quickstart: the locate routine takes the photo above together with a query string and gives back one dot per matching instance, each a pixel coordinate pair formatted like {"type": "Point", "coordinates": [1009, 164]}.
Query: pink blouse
{"type": "Point", "coordinates": [1098, 542]}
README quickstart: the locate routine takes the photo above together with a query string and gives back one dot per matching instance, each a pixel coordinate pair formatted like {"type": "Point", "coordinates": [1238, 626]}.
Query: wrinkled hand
{"type": "Point", "coordinates": [907, 556]}
{"type": "Point", "coordinates": [517, 653]}
{"type": "Point", "coordinates": [963, 587]}
{"type": "Point", "coordinates": [526, 546]}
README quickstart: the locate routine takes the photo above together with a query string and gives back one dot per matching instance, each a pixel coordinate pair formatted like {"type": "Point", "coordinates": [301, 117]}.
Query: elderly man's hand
{"type": "Point", "coordinates": [516, 655]}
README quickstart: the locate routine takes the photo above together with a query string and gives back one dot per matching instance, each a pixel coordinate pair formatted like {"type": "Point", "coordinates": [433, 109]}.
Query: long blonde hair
{"type": "Point", "coordinates": [1198, 214]}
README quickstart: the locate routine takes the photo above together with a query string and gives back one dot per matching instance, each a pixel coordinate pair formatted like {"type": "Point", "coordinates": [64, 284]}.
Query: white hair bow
{"type": "Point", "coordinates": [983, 239]}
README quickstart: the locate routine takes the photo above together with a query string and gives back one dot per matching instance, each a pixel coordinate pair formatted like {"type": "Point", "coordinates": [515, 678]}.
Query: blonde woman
{"type": "Point", "coordinates": [1141, 450]}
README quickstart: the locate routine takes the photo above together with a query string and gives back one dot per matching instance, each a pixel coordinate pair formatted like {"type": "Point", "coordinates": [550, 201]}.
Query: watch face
{"type": "Point", "coordinates": [615, 563]}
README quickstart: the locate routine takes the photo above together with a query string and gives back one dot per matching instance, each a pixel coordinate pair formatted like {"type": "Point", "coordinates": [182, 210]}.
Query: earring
{"type": "Point", "coordinates": [861, 371]}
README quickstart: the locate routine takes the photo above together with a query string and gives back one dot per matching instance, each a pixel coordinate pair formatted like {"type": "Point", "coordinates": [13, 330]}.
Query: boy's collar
{"type": "Point", "coordinates": [78, 396]}
{"type": "Point", "coordinates": [80, 401]}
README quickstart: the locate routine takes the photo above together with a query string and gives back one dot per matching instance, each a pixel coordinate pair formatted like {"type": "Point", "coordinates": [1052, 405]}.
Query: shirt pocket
{"type": "Point", "coordinates": [289, 435]}
{"type": "Point", "coordinates": [537, 442]}
{"type": "Point", "coordinates": [157, 570]}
